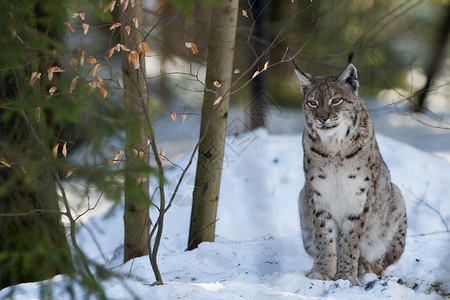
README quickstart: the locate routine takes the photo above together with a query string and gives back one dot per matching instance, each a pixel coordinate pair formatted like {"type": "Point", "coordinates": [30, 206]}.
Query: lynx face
{"type": "Point", "coordinates": [329, 101]}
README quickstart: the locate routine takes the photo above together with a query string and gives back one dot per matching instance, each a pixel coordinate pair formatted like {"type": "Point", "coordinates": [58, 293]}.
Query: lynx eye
{"type": "Point", "coordinates": [312, 103]}
{"type": "Point", "coordinates": [336, 101]}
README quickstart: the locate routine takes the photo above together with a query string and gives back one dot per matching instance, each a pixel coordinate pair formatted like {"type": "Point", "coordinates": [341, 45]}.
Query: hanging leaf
{"type": "Point", "coordinates": [64, 149]}
{"type": "Point", "coordinates": [103, 92]}
{"type": "Point", "coordinates": [237, 71]}
{"type": "Point", "coordinates": [255, 74]}
{"type": "Point", "coordinates": [217, 100]}
{"type": "Point", "coordinates": [135, 152]}
{"type": "Point", "coordinates": [124, 48]}
{"type": "Point", "coordinates": [266, 65]}
{"type": "Point", "coordinates": [132, 3]}
{"type": "Point", "coordinates": [91, 60]}
{"type": "Point", "coordinates": [73, 84]}
{"type": "Point", "coordinates": [52, 90]}
{"type": "Point", "coordinates": [54, 69]}
{"type": "Point", "coordinates": [37, 114]}
{"type": "Point", "coordinates": [183, 116]}
{"type": "Point", "coordinates": [114, 26]}
{"type": "Point", "coordinates": [81, 57]}
{"type": "Point", "coordinates": [124, 4]}
{"type": "Point", "coordinates": [100, 82]}
{"type": "Point", "coordinates": [4, 162]}
{"type": "Point", "coordinates": [85, 28]}
{"type": "Point", "coordinates": [110, 6]}
{"type": "Point", "coordinates": [80, 14]}
{"type": "Point", "coordinates": [143, 47]}
{"type": "Point", "coordinates": [128, 29]}
{"type": "Point", "coordinates": [34, 77]}
{"type": "Point", "coordinates": [135, 22]}
{"type": "Point", "coordinates": [96, 68]}
{"type": "Point", "coordinates": [192, 46]}
{"type": "Point", "coordinates": [70, 172]}
{"type": "Point", "coordinates": [161, 152]}
{"type": "Point", "coordinates": [69, 27]}
{"type": "Point", "coordinates": [134, 58]}
{"type": "Point", "coordinates": [117, 154]}
{"type": "Point", "coordinates": [217, 84]}
{"type": "Point", "coordinates": [55, 151]}
{"type": "Point", "coordinates": [244, 13]}
{"type": "Point", "coordinates": [173, 116]}
{"type": "Point", "coordinates": [141, 154]}
{"type": "Point", "coordinates": [138, 180]}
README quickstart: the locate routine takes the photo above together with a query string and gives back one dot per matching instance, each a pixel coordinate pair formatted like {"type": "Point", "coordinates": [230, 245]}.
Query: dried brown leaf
{"type": "Point", "coordinates": [217, 84]}
{"type": "Point", "coordinates": [134, 58]}
{"type": "Point", "coordinates": [85, 28]}
{"type": "Point", "coordinates": [192, 46]}
{"type": "Point", "coordinates": [81, 57]}
{"type": "Point", "coordinates": [218, 100]}
{"type": "Point", "coordinates": [124, 48]}
{"type": "Point", "coordinates": [37, 114]}
{"type": "Point", "coordinates": [70, 172]}
{"type": "Point", "coordinates": [255, 74]}
{"type": "Point", "coordinates": [4, 162]}
{"type": "Point", "coordinates": [128, 29]}
{"type": "Point", "coordinates": [114, 26]}
{"type": "Point", "coordinates": [237, 71]}
{"type": "Point", "coordinates": [69, 27]}
{"type": "Point", "coordinates": [244, 13]}
{"type": "Point", "coordinates": [103, 92]}
{"type": "Point", "coordinates": [173, 116]}
{"type": "Point", "coordinates": [141, 154]}
{"type": "Point", "coordinates": [80, 14]}
{"type": "Point", "coordinates": [55, 151]}
{"type": "Point", "coordinates": [135, 152]}
{"type": "Point", "coordinates": [96, 68]}
{"type": "Point", "coordinates": [34, 77]}
{"type": "Point", "coordinates": [135, 22]}
{"type": "Point", "coordinates": [64, 150]}
{"type": "Point", "coordinates": [110, 6]}
{"type": "Point", "coordinates": [91, 60]}
{"type": "Point", "coordinates": [73, 84]}
{"type": "Point", "coordinates": [266, 65]}
{"type": "Point", "coordinates": [161, 152]}
{"type": "Point", "coordinates": [143, 47]}
{"type": "Point", "coordinates": [183, 116]}
{"type": "Point", "coordinates": [52, 90]}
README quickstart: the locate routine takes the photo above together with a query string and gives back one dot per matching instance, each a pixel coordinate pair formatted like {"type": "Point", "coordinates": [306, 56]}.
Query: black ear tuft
{"type": "Point", "coordinates": [350, 57]}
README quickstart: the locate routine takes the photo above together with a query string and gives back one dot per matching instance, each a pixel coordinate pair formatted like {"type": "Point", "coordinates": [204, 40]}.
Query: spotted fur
{"type": "Point", "coordinates": [353, 218]}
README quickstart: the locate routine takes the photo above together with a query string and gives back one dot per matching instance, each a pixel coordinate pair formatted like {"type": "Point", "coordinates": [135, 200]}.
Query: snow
{"type": "Point", "coordinates": [258, 252]}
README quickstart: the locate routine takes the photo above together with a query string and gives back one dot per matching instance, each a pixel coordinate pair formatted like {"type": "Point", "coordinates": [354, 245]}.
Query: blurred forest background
{"type": "Point", "coordinates": [401, 53]}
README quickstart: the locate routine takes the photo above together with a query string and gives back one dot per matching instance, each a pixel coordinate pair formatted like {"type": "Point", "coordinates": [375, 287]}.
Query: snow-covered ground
{"type": "Point", "coordinates": [258, 252]}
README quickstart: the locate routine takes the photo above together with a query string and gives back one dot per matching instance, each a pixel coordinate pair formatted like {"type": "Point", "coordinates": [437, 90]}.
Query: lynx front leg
{"type": "Point", "coordinates": [348, 248]}
{"type": "Point", "coordinates": [324, 267]}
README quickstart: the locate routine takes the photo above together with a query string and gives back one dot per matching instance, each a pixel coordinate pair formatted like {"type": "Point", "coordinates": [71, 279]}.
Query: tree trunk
{"type": "Point", "coordinates": [433, 67]}
{"type": "Point", "coordinates": [258, 105]}
{"type": "Point", "coordinates": [210, 155]}
{"type": "Point", "coordinates": [137, 201]}
{"type": "Point", "coordinates": [33, 244]}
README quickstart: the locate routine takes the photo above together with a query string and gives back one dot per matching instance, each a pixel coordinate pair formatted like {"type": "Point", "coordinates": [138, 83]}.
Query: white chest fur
{"type": "Point", "coordinates": [340, 192]}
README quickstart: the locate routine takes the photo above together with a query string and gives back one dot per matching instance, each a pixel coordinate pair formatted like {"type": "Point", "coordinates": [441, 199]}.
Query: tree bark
{"type": "Point", "coordinates": [433, 67]}
{"type": "Point", "coordinates": [33, 244]}
{"type": "Point", "coordinates": [211, 150]}
{"type": "Point", "coordinates": [137, 200]}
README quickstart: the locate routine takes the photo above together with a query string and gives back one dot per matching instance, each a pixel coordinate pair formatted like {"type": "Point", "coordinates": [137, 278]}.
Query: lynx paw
{"type": "Point", "coordinates": [315, 274]}
{"type": "Point", "coordinates": [352, 278]}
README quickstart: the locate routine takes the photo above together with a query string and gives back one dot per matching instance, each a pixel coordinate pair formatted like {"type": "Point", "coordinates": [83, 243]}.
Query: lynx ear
{"type": "Point", "coordinates": [305, 79]}
{"type": "Point", "coordinates": [350, 76]}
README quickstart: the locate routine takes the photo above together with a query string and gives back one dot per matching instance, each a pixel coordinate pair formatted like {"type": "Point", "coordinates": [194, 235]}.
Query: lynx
{"type": "Point", "coordinates": [353, 218]}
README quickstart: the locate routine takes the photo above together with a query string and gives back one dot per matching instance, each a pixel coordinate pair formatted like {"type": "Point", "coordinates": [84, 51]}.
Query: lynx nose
{"type": "Point", "coordinates": [322, 118]}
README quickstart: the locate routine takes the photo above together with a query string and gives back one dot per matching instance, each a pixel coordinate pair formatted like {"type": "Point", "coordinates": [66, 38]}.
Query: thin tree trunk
{"type": "Point", "coordinates": [137, 201]}
{"type": "Point", "coordinates": [258, 105]}
{"type": "Point", "coordinates": [210, 158]}
{"type": "Point", "coordinates": [433, 67]}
